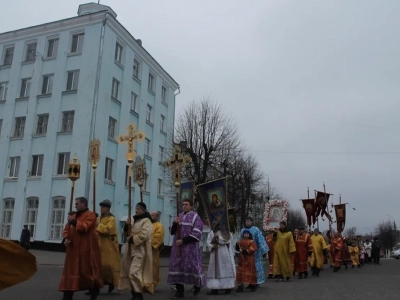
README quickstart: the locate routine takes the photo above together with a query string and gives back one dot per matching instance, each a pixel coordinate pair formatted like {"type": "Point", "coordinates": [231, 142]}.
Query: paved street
{"type": "Point", "coordinates": [368, 283]}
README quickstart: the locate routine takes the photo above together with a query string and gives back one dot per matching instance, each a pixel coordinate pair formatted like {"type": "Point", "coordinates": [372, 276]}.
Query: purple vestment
{"type": "Point", "coordinates": [188, 267]}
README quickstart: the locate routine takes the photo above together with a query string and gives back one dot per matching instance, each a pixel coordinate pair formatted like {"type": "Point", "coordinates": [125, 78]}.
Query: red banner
{"type": "Point", "coordinates": [321, 201]}
{"type": "Point", "coordinates": [340, 211]}
{"type": "Point", "coordinates": [309, 207]}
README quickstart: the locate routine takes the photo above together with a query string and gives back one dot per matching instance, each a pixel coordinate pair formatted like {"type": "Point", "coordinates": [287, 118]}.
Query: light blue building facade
{"type": "Point", "coordinates": [63, 84]}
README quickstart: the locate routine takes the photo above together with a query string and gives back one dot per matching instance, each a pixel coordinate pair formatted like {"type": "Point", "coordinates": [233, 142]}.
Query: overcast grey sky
{"type": "Point", "coordinates": [314, 85]}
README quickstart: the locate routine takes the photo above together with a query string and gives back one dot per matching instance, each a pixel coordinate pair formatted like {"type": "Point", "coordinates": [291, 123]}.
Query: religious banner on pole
{"type": "Point", "coordinates": [215, 202]}
{"type": "Point", "coordinates": [321, 202]}
{"type": "Point", "coordinates": [310, 209]}
{"type": "Point", "coordinates": [340, 211]}
{"type": "Point", "coordinates": [187, 192]}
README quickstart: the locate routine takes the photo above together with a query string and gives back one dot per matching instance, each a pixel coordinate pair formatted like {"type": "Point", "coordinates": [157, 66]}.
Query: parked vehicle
{"type": "Point", "coordinates": [395, 254]}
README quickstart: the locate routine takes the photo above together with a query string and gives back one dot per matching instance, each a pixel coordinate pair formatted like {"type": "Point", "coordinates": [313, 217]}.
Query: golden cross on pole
{"type": "Point", "coordinates": [130, 155]}
{"type": "Point", "coordinates": [176, 162]}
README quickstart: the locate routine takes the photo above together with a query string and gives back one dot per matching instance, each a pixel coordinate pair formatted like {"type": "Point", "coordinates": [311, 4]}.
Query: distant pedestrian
{"type": "Point", "coordinates": [368, 248]}
{"type": "Point", "coordinates": [25, 239]}
{"type": "Point", "coordinates": [376, 251]}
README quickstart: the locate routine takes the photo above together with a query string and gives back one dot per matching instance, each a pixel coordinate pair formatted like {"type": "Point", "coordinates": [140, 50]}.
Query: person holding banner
{"type": "Point", "coordinates": [262, 248]}
{"type": "Point", "coordinates": [221, 268]}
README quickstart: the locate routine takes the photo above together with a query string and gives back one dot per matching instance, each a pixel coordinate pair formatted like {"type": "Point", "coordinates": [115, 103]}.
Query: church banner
{"type": "Point", "coordinates": [188, 190]}
{"type": "Point", "coordinates": [340, 211]}
{"type": "Point", "coordinates": [309, 207]}
{"type": "Point", "coordinates": [215, 202]}
{"type": "Point", "coordinates": [275, 212]}
{"type": "Point", "coordinates": [321, 201]}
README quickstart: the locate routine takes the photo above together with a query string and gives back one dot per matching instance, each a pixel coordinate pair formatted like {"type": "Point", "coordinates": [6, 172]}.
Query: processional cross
{"type": "Point", "coordinates": [130, 139]}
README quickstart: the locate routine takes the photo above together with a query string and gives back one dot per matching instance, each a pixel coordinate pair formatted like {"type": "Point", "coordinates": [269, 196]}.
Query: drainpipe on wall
{"type": "Point", "coordinates": [94, 108]}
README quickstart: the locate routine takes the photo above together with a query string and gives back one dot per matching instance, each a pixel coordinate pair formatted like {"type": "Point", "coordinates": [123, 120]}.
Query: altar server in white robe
{"type": "Point", "coordinates": [221, 273]}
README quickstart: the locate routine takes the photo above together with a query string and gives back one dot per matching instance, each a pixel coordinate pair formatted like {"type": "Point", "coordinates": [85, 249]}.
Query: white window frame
{"type": "Point", "coordinates": [112, 127]}
{"type": "Point", "coordinates": [79, 44]}
{"type": "Point", "coordinates": [162, 123]}
{"type": "Point", "coordinates": [63, 159]}
{"type": "Point", "coordinates": [161, 154]}
{"type": "Point", "coordinates": [115, 88]}
{"type": "Point", "coordinates": [160, 189]}
{"type": "Point", "coordinates": [47, 84]}
{"type": "Point", "coordinates": [57, 218]}
{"type": "Point", "coordinates": [72, 85]}
{"type": "Point", "coordinates": [30, 55]}
{"type": "Point", "coordinates": [13, 166]}
{"type": "Point", "coordinates": [164, 94]}
{"type": "Point", "coordinates": [37, 165]}
{"type": "Point", "coordinates": [19, 127]}
{"type": "Point", "coordinates": [66, 124]}
{"type": "Point", "coordinates": [7, 59]}
{"type": "Point", "coordinates": [54, 41]}
{"type": "Point", "coordinates": [147, 147]}
{"type": "Point", "coordinates": [42, 124]}
{"type": "Point", "coordinates": [108, 172]}
{"type": "Point", "coordinates": [134, 102]}
{"type": "Point", "coordinates": [145, 183]}
{"type": "Point", "coordinates": [119, 52]}
{"type": "Point", "coordinates": [152, 82]}
{"type": "Point", "coordinates": [7, 217]}
{"type": "Point", "coordinates": [31, 212]}
{"type": "Point", "coordinates": [25, 87]}
{"type": "Point", "coordinates": [137, 66]}
{"type": "Point", "coordinates": [149, 114]}
{"type": "Point", "coordinates": [3, 91]}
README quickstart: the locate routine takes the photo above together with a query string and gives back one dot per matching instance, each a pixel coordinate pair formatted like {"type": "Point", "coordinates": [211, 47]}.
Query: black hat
{"type": "Point", "coordinates": [106, 203]}
{"type": "Point", "coordinates": [283, 223]}
{"type": "Point", "coordinates": [142, 205]}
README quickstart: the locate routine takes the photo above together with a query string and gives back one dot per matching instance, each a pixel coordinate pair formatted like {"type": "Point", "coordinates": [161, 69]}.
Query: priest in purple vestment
{"type": "Point", "coordinates": [185, 265]}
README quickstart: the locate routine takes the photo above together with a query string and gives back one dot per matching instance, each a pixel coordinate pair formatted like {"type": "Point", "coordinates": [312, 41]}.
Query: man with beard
{"type": "Point", "coordinates": [137, 262]}
{"type": "Point", "coordinates": [157, 243]}
{"type": "Point", "coordinates": [284, 250]}
{"type": "Point", "coordinates": [262, 248]}
{"type": "Point", "coordinates": [304, 249]}
{"type": "Point", "coordinates": [82, 267]}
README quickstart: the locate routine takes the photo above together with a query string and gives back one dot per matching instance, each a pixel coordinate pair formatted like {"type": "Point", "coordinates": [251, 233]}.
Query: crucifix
{"type": "Point", "coordinates": [176, 162]}
{"type": "Point", "coordinates": [130, 138]}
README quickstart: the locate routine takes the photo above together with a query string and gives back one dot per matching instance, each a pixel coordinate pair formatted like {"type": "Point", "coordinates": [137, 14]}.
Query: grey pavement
{"type": "Point", "coordinates": [372, 282]}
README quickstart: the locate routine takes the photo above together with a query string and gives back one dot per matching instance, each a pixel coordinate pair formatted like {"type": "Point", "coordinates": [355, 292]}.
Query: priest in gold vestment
{"type": "Point", "coordinates": [157, 243]}
{"type": "Point", "coordinates": [320, 250]}
{"type": "Point", "coordinates": [284, 250]}
{"type": "Point", "coordinates": [109, 248]}
{"type": "Point", "coordinates": [137, 261]}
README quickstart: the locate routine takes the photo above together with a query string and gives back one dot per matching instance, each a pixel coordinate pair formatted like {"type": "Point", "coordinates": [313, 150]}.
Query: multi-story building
{"type": "Point", "coordinates": [63, 84]}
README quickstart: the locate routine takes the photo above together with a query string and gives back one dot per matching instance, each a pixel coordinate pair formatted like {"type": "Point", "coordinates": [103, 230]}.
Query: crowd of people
{"type": "Point", "coordinates": [93, 258]}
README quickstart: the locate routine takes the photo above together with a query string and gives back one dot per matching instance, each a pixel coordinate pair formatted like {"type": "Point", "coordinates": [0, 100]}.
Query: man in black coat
{"type": "Point", "coordinates": [25, 238]}
{"type": "Point", "coordinates": [376, 251]}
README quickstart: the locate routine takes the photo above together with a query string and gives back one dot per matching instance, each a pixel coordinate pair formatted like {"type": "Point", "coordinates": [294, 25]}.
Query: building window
{"type": "Point", "coordinates": [134, 102]}
{"type": "Point", "coordinates": [13, 168]}
{"type": "Point", "coordinates": [25, 87]}
{"type": "Point", "coordinates": [52, 47]}
{"type": "Point", "coordinates": [68, 121]}
{"type": "Point", "coordinates": [136, 68]}
{"type": "Point", "coordinates": [145, 187]}
{"type": "Point", "coordinates": [109, 169]}
{"type": "Point", "coordinates": [147, 147]}
{"type": "Point", "coordinates": [118, 53]}
{"type": "Point", "coordinates": [149, 113]}
{"type": "Point", "coordinates": [30, 51]}
{"type": "Point", "coordinates": [115, 88]}
{"type": "Point", "coordinates": [1, 125]}
{"type": "Point", "coordinates": [112, 126]}
{"type": "Point", "coordinates": [19, 127]}
{"type": "Point", "coordinates": [47, 84]}
{"type": "Point", "coordinates": [151, 82]}
{"type": "Point", "coordinates": [3, 91]}
{"type": "Point", "coordinates": [63, 161]}
{"type": "Point", "coordinates": [160, 187]}
{"type": "Point", "coordinates": [77, 43]}
{"type": "Point", "coordinates": [32, 205]}
{"type": "Point", "coordinates": [43, 120]}
{"type": "Point", "coordinates": [162, 123]}
{"type": "Point", "coordinates": [57, 218]}
{"type": "Point", "coordinates": [37, 165]}
{"type": "Point", "coordinates": [161, 154]}
{"type": "Point", "coordinates": [8, 211]}
{"type": "Point", "coordinates": [8, 56]}
{"type": "Point", "coordinates": [72, 80]}
{"type": "Point", "coordinates": [164, 94]}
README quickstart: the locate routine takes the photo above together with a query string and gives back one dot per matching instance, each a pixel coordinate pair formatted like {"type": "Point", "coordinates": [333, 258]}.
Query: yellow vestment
{"type": "Point", "coordinates": [157, 239]}
{"type": "Point", "coordinates": [283, 250]}
{"type": "Point", "coordinates": [319, 245]}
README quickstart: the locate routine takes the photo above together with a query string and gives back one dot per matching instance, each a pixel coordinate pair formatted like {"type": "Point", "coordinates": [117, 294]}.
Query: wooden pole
{"type": "Point", "coordinates": [130, 198]}
{"type": "Point", "coordinates": [94, 188]}
{"type": "Point", "coordinates": [178, 229]}
{"type": "Point", "coordinates": [70, 206]}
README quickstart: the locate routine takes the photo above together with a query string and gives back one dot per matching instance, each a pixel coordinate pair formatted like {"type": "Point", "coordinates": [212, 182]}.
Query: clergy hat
{"type": "Point", "coordinates": [106, 203]}
{"type": "Point", "coordinates": [248, 231]}
{"type": "Point", "coordinates": [142, 206]}
{"type": "Point", "coordinates": [283, 223]}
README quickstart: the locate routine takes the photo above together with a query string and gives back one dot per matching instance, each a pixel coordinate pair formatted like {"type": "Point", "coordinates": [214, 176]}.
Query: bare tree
{"type": "Point", "coordinates": [349, 232]}
{"type": "Point", "coordinates": [295, 219]}
{"type": "Point", "coordinates": [387, 233]}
